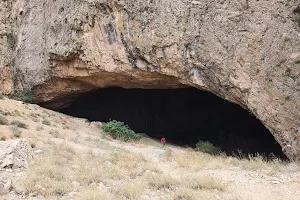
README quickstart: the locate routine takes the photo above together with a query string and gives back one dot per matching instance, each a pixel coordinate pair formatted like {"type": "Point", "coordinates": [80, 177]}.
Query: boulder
{"type": "Point", "coordinates": [14, 154]}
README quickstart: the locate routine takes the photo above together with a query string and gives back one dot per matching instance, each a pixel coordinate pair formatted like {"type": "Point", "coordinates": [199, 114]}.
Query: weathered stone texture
{"type": "Point", "coordinates": [6, 80]}
{"type": "Point", "coordinates": [14, 154]}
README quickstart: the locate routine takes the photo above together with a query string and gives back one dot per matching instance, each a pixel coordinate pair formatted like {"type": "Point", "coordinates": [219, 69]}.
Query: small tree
{"type": "Point", "coordinates": [28, 97]}
{"type": "Point", "coordinates": [118, 130]}
{"type": "Point", "coordinates": [25, 96]}
{"type": "Point", "coordinates": [207, 147]}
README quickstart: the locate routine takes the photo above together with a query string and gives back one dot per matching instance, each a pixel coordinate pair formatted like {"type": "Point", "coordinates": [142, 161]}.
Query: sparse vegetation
{"type": "Point", "coordinates": [28, 97]}
{"type": "Point", "coordinates": [278, 65]}
{"type": "Point", "coordinates": [287, 98]}
{"type": "Point", "coordinates": [55, 134]}
{"type": "Point", "coordinates": [106, 169]}
{"type": "Point", "coordinates": [15, 130]}
{"type": "Point", "coordinates": [118, 130]}
{"type": "Point", "coordinates": [168, 154]}
{"type": "Point", "coordinates": [297, 60]}
{"type": "Point", "coordinates": [47, 177]}
{"type": "Point", "coordinates": [207, 147]}
{"type": "Point", "coordinates": [3, 138]}
{"type": "Point", "coordinates": [2, 96]}
{"type": "Point", "coordinates": [34, 117]}
{"type": "Point", "coordinates": [3, 121]}
{"type": "Point", "coordinates": [25, 96]}
{"type": "Point", "coordinates": [297, 17]}
{"type": "Point", "coordinates": [94, 193]}
{"type": "Point", "coordinates": [201, 181]}
{"type": "Point", "coordinates": [253, 111]}
{"type": "Point", "coordinates": [46, 122]}
{"type": "Point", "coordinates": [19, 124]}
{"type": "Point", "coordinates": [39, 128]}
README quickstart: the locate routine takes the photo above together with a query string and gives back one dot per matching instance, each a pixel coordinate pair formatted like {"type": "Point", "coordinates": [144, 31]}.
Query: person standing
{"type": "Point", "coordinates": [163, 141]}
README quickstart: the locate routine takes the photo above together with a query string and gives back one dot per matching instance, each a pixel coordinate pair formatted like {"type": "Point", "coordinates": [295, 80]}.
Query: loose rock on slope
{"type": "Point", "coordinates": [13, 156]}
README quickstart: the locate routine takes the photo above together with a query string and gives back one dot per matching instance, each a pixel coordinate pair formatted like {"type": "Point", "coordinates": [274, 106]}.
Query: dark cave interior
{"type": "Point", "coordinates": [183, 116]}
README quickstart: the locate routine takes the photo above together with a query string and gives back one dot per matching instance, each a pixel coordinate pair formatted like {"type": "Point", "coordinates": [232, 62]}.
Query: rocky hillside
{"type": "Point", "coordinates": [48, 155]}
{"type": "Point", "coordinates": [247, 52]}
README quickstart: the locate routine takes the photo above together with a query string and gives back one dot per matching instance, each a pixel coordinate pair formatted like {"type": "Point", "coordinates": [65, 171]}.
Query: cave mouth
{"type": "Point", "coordinates": [183, 116]}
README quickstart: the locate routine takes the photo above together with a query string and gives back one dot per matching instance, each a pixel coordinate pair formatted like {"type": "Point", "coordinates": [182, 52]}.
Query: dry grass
{"type": "Point", "coordinates": [184, 193]}
{"type": "Point", "coordinates": [19, 124]}
{"type": "Point", "coordinates": [6, 113]}
{"type": "Point", "coordinates": [127, 175]}
{"type": "Point", "coordinates": [47, 177]}
{"type": "Point", "coordinates": [96, 142]}
{"type": "Point", "coordinates": [39, 128]}
{"type": "Point", "coordinates": [160, 180]}
{"type": "Point", "coordinates": [168, 154]}
{"type": "Point", "coordinates": [105, 170]}
{"type": "Point", "coordinates": [202, 182]}
{"type": "Point", "coordinates": [196, 161]}
{"type": "Point", "coordinates": [34, 117]}
{"type": "Point", "coordinates": [3, 121]}
{"type": "Point", "coordinates": [57, 168]}
{"type": "Point", "coordinates": [46, 122]}
{"type": "Point", "coordinates": [3, 137]}
{"type": "Point", "coordinates": [56, 134]}
{"type": "Point", "coordinates": [134, 189]}
{"type": "Point", "coordinates": [94, 193]}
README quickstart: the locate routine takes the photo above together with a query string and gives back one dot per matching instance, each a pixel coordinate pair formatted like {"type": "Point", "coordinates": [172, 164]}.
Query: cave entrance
{"type": "Point", "coordinates": [184, 116]}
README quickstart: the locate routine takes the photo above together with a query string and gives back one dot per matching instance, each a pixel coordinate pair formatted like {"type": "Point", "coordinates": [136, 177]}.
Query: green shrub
{"type": "Point", "coordinates": [28, 97]}
{"type": "Point", "coordinates": [207, 147]}
{"type": "Point", "coordinates": [297, 17]}
{"type": "Point", "coordinates": [15, 130]}
{"type": "Point", "coordinates": [118, 130]}
{"type": "Point", "coordinates": [25, 96]}
{"type": "Point", "coordinates": [297, 61]}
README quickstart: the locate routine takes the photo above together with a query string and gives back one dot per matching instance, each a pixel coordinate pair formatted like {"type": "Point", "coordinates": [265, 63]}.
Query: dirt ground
{"type": "Point", "coordinates": [73, 159]}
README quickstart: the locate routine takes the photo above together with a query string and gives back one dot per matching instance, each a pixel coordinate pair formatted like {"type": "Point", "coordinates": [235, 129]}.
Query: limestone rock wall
{"type": "Point", "coordinates": [7, 37]}
{"type": "Point", "coordinates": [245, 51]}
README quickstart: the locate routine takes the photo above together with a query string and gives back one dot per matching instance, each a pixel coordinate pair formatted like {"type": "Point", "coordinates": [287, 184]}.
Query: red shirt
{"type": "Point", "coordinates": [163, 140]}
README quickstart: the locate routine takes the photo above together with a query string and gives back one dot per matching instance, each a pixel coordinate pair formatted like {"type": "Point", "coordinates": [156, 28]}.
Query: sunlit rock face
{"type": "Point", "coordinates": [246, 52]}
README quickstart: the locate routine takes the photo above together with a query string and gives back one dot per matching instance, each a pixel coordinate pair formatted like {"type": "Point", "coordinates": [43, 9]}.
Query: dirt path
{"type": "Point", "coordinates": [252, 185]}
{"type": "Point", "coordinates": [248, 184]}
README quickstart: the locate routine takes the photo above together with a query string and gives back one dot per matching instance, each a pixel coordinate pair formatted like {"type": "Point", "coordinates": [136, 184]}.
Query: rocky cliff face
{"type": "Point", "coordinates": [245, 51]}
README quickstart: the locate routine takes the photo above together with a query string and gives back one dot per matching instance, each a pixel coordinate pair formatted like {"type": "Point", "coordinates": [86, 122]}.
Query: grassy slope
{"type": "Point", "coordinates": [75, 151]}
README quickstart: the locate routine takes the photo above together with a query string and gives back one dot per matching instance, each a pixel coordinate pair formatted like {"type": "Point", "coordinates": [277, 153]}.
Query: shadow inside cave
{"type": "Point", "coordinates": [183, 116]}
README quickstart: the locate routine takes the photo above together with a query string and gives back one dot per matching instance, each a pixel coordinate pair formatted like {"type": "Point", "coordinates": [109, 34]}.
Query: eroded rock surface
{"type": "Point", "coordinates": [13, 159]}
{"type": "Point", "coordinates": [244, 51]}
{"type": "Point", "coordinates": [14, 154]}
